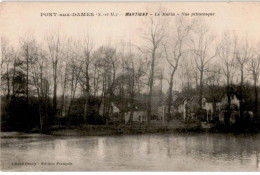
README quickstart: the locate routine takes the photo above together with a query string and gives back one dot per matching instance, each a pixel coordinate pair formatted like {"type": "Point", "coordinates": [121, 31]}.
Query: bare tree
{"type": "Point", "coordinates": [55, 47]}
{"type": "Point", "coordinates": [86, 49]}
{"type": "Point", "coordinates": [130, 70]}
{"type": "Point", "coordinates": [188, 80]}
{"type": "Point", "coordinates": [133, 74]}
{"type": "Point", "coordinates": [212, 81]}
{"type": "Point", "coordinates": [153, 37]}
{"type": "Point", "coordinates": [96, 78]}
{"type": "Point", "coordinates": [39, 71]}
{"type": "Point", "coordinates": [107, 61]}
{"type": "Point", "coordinates": [203, 53]}
{"type": "Point", "coordinates": [243, 53]}
{"type": "Point", "coordinates": [177, 53]}
{"type": "Point", "coordinates": [227, 56]}
{"type": "Point", "coordinates": [28, 52]}
{"type": "Point", "coordinates": [161, 78]}
{"type": "Point", "coordinates": [74, 73]}
{"type": "Point", "coordinates": [6, 56]}
{"type": "Point", "coordinates": [254, 68]}
{"type": "Point", "coordinates": [64, 75]}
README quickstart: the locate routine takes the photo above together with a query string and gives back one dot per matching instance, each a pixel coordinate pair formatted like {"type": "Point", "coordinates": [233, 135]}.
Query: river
{"type": "Point", "coordinates": [149, 152]}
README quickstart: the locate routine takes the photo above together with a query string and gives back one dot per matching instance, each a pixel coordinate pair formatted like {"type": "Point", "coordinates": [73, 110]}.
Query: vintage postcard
{"type": "Point", "coordinates": [134, 86]}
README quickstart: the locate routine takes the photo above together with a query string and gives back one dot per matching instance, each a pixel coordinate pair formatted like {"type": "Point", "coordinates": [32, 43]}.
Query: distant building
{"type": "Point", "coordinates": [176, 108]}
{"type": "Point", "coordinates": [191, 107]}
{"type": "Point", "coordinates": [208, 105]}
{"type": "Point", "coordinates": [234, 106]}
{"type": "Point", "coordinates": [112, 111]}
{"type": "Point", "coordinates": [139, 113]}
{"type": "Point", "coordinates": [224, 101]}
{"type": "Point", "coordinates": [138, 116]}
{"type": "Point", "coordinates": [163, 111]}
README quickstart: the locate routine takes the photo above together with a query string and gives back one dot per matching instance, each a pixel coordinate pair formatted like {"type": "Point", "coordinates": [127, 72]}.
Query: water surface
{"type": "Point", "coordinates": [151, 152]}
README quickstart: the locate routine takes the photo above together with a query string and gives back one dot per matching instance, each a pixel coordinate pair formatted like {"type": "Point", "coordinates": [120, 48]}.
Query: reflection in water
{"type": "Point", "coordinates": [257, 161]}
{"type": "Point", "coordinates": [100, 150]}
{"type": "Point", "coordinates": [177, 152]}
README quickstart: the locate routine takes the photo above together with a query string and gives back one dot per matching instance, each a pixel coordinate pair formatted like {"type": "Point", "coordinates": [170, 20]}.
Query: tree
{"type": "Point", "coordinates": [173, 58]}
{"type": "Point", "coordinates": [74, 70]}
{"type": "Point", "coordinates": [6, 58]}
{"type": "Point", "coordinates": [133, 74]}
{"type": "Point", "coordinates": [243, 54]}
{"type": "Point", "coordinates": [55, 50]}
{"type": "Point", "coordinates": [254, 68]}
{"type": "Point", "coordinates": [227, 57]}
{"type": "Point", "coordinates": [39, 71]}
{"type": "Point", "coordinates": [213, 86]}
{"type": "Point", "coordinates": [153, 37]}
{"type": "Point", "coordinates": [86, 49]}
{"type": "Point", "coordinates": [202, 42]}
{"type": "Point", "coordinates": [107, 61]}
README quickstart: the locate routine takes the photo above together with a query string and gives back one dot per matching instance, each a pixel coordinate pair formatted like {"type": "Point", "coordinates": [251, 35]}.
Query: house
{"type": "Point", "coordinates": [209, 104]}
{"type": "Point", "coordinates": [139, 113]}
{"type": "Point", "coordinates": [163, 110]}
{"type": "Point", "coordinates": [113, 108]}
{"type": "Point", "coordinates": [112, 111]}
{"type": "Point", "coordinates": [190, 107]}
{"type": "Point", "coordinates": [224, 101]}
{"type": "Point", "coordinates": [177, 107]}
{"type": "Point", "coordinates": [234, 106]}
{"type": "Point", "coordinates": [138, 116]}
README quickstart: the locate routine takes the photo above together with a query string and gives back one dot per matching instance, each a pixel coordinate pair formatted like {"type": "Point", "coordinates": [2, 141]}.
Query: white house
{"type": "Point", "coordinates": [235, 105]}
{"type": "Point", "coordinates": [208, 106]}
{"type": "Point", "coordinates": [138, 116]}
{"type": "Point", "coordinates": [177, 107]}
{"type": "Point", "coordinates": [163, 110]}
{"type": "Point", "coordinates": [181, 108]}
{"type": "Point", "coordinates": [113, 109]}
{"type": "Point", "coordinates": [224, 101]}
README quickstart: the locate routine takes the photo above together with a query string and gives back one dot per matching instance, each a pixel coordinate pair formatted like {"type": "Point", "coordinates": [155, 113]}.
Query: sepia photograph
{"type": "Point", "coordinates": [130, 86]}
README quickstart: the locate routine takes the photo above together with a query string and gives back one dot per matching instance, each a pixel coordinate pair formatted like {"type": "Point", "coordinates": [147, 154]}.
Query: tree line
{"type": "Point", "coordinates": [57, 70]}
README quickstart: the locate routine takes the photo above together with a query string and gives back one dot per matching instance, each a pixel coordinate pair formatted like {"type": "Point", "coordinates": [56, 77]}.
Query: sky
{"type": "Point", "coordinates": [18, 19]}
{"type": "Point", "coordinates": [21, 19]}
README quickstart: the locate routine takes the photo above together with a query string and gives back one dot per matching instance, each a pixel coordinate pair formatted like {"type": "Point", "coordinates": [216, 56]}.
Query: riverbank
{"type": "Point", "coordinates": [92, 130]}
{"type": "Point", "coordinates": [134, 128]}
{"type": "Point", "coordinates": [174, 126]}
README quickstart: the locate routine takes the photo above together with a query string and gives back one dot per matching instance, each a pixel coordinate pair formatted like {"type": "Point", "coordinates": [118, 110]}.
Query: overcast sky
{"type": "Point", "coordinates": [20, 19]}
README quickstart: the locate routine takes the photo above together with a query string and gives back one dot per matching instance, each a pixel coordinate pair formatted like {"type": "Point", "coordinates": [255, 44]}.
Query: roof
{"type": "Point", "coordinates": [138, 106]}
{"type": "Point", "coordinates": [195, 99]}
{"type": "Point", "coordinates": [211, 99]}
{"type": "Point", "coordinates": [178, 101]}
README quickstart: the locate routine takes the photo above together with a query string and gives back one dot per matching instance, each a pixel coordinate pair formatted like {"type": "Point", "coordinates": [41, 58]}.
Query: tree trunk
{"type": "Point", "coordinates": [170, 98]}
{"type": "Point", "coordinates": [132, 104]}
{"type": "Point", "coordinates": [201, 87]}
{"type": "Point", "coordinates": [86, 108]}
{"type": "Point", "coordinates": [63, 101]}
{"type": "Point", "coordinates": [227, 116]}
{"type": "Point", "coordinates": [8, 82]}
{"type": "Point", "coordinates": [256, 98]}
{"type": "Point", "coordinates": [13, 79]}
{"type": "Point", "coordinates": [241, 92]}
{"type": "Point", "coordinates": [149, 110]}
{"type": "Point", "coordinates": [55, 88]}
{"type": "Point", "coordinates": [27, 74]}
